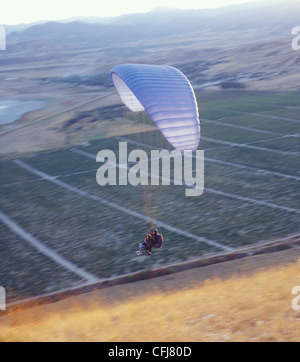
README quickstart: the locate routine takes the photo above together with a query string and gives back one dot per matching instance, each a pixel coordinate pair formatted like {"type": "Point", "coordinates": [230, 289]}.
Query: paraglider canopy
{"type": "Point", "coordinates": [166, 95]}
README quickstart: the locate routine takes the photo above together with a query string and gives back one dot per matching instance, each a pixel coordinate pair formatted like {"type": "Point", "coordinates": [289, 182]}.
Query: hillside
{"type": "Point", "coordinates": [248, 44]}
{"type": "Point", "coordinates": [271, 17]}
{"type": "Point", "coordinates": [225, 302]}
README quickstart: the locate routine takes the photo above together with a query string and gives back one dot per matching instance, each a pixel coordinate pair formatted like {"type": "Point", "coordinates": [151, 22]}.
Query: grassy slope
{"type": "Point", "coordinates": [255, 307]}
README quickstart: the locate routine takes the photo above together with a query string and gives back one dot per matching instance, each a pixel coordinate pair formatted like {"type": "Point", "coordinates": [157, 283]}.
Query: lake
{"type": "Point", "coordinates": [13, 109]}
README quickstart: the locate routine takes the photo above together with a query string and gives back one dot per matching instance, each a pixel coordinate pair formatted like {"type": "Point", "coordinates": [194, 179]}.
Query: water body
{"type": "Point", "coordinates": [12, 109]}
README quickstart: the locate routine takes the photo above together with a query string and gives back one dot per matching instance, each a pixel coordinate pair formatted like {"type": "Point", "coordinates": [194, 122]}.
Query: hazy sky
{"type": "Point", "coordinates": [26, 11]}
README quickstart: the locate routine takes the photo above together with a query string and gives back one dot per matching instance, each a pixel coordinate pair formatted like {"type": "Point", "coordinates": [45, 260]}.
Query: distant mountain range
{"type": "Point", "coordinates": [272, 17]}
{"type": "Point", "coordinates": [245, 45]}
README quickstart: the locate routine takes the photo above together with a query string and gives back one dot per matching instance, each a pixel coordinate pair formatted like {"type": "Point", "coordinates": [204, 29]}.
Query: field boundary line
{"type": "Point", "coordinates": [212, 191]}
{"type": "Point", "coordinates": [245, 128]}
{"type": "Point", "coordinates": [118, 207]}
{"type": "Point", "coordinates": [260, 171]}
{"type": "Point", "coordinates": [43, 249]}
{"type": "Point", "coordinates": [270, 246]}
{"type": "Point", "coordinates": [248, 145]}
{"type": "Point", "coordinates": [252, 201]}
{"type": "Point", "coordinates": [276, 139]}
{"type": "Point", "coordinates": [225, 163]}
{"type": "Point", "coordinates": [256, 114]}
{"type": "Point", "coordinates": [57, 176]}
{"type": "Point", "coordinates": [226, 194]}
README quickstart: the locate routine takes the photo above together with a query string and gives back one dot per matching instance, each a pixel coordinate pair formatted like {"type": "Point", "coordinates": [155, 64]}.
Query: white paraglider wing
{"type": "Point", "coordinates": [166, 95]}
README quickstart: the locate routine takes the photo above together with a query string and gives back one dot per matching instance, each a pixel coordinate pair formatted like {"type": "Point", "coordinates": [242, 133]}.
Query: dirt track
{"type": "Point", "coordinates": [182, 280]}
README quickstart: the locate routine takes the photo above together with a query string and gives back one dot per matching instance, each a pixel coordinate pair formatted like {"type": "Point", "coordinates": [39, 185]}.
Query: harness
{"type": "Point", "coordinates": [159, 240]}
{"type": "Point", "coordinates": [153, 241]}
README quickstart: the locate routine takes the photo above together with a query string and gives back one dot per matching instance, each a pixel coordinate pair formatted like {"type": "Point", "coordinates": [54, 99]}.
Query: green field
{"type": "Point", "coordinates": [251, 195]}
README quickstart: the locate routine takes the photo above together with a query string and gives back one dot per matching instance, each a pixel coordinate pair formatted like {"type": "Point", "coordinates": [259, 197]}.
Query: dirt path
{"type": "Point", "coordinates": [241, 267]}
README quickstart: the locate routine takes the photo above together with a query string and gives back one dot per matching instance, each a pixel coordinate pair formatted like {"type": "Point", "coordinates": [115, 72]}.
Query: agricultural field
{"type": "Point", "coordinates": [61, 229]}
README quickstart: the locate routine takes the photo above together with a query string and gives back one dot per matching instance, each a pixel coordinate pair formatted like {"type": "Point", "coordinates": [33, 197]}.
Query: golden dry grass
{"type": "Point", "coordinates": [247, 308]}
